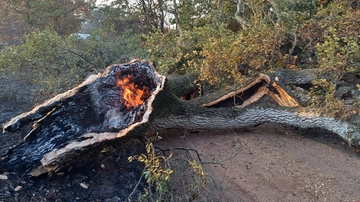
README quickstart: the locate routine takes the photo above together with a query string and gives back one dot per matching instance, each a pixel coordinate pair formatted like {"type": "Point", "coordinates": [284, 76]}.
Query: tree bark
{"type": "Point", "coordinates": [72, 124]}
{"type": "Point", "coordinates": [195, 118]}
{"type": "Point", "coordinates": [218, 110]}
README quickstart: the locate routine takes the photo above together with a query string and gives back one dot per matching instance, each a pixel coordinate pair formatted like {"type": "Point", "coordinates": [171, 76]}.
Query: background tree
{"type": "Point", "coordinates": [10, 25]}
{"type": "Point", "coordinates": [61, 16]}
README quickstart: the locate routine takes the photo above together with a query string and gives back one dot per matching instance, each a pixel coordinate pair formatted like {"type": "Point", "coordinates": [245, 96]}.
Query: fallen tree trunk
{"type": "Point", "coordinates": [130, 98]}
{"type": "Point", "coordinates": [194, 118]}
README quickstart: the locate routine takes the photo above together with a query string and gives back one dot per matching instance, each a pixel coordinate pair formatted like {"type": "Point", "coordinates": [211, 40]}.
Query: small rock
{"type": "Point", "coordinates": [341, 91]}
{"type": "Point", "coordinates": [355, 94]}
{"type": "Point", "coordinates": [299, 90]}
{"type": "Point", "coordinates": [83, 185]}
{"type": "Point", "coordinates": [3, 177]}
{"type": "Point", "coordinates": [349, 102]}
{"type": "Point", "coordinates": [18, 188]}
{"type": "Point", "coordinates": [102, 166]}
{"type": "Point", "coordinates": [305, 98]}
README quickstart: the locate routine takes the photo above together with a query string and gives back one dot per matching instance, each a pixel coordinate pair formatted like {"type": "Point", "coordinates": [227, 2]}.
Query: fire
{"type": "Point", "coordinates": [133, 94]}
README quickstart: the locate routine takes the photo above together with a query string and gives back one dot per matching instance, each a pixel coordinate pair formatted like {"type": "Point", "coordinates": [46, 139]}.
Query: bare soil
{"type": "Point", "coordinates": [271, 163]}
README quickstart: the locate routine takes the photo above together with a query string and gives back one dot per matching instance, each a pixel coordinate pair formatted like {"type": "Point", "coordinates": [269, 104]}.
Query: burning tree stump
{"type": "Point", "coordinates": [118, 102]}
{"type": "Point", "coordinates": [104, 107]}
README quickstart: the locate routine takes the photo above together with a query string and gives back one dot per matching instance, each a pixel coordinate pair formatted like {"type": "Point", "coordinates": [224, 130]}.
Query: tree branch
{"type": "Point", "coordinates": [239, 11]}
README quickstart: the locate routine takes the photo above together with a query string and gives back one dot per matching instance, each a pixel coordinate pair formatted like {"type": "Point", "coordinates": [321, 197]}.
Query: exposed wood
{"type": "Point", "coordinates": [243, 94]}
{"type": "Point", "coordinates": [251, 93]}
{"type": "Point", "coordinates": [281, 96]}
{"type": "Point", "coordinates": [97, 111]}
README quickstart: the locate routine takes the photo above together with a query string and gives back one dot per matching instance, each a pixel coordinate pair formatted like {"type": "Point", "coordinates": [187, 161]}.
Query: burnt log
{"type": "Point", "coordinates": [132, 98]}
{"type": "Point", "coordinates": [98, 110]}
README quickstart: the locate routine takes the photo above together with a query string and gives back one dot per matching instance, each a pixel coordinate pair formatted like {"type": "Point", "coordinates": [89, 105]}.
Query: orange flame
{"type": "Point", "coordinates": [134, 95]}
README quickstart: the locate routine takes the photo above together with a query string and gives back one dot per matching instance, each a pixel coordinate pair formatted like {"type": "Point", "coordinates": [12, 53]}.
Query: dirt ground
{"type": "Point", "coordinates": [270, 163]}
{"type": "Point", "coordinates": [266, 163]}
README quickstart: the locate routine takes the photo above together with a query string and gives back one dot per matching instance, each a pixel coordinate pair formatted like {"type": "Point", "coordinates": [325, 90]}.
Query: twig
{"type": "Point", "coordinates": [220, 161]}
{"type": "Point", "coordinates": [180, 148]}
{"type": "Point", "coordinates": [293, 45]}
{"type": "Point", "coordinates": [135, 188]}
{"type": "Point", "coordinates": [239, 10]}
{"type": "Point", "coordinates": [79, 55]}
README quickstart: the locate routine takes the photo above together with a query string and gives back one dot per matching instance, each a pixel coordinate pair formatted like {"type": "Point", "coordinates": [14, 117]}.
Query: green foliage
{"type": "Point", "coordinates": [160, 169]}
{"type": "Point", "coordinates": [140, 16]}
{"type": "Point", "coordinates": [168, 52]}
{"type": "Point", "coordinates": [215, 54]}
{"type": "Point", "coordinates": [337, 17]}
{"type": "Point", "coordinates": [339, 55]}
{"type": "Point", "coordinates": [42, 59]}
{"type": "Point", "coordinates": [335, 28]}
{"type": "Point", "coordinates": [156, 172]}
{"type": "Point", "coordinates": [214, 61]}
{"type": "Point", "coordinates": [294, 12]}
{"type": "Point", "coordinates": [57, 63]}
{"type": "Point", "coordinates": [104, 48]}
{"type": "Point", "coordinates": [333, 11]}
{"type": "Point", "coordinates": [9, 21]}
{"type": "Point", "coordinates": [322, 98]}
{"type": "Point", "coordinates": [61, 16]}
{"type": "Point", "coordinates": [225, 53]}
{"type": "Point", "coordinates": [117, 16]}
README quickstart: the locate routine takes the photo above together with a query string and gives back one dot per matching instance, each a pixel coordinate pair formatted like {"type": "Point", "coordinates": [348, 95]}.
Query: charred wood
{"type": "Point", "coordinates": [71, 123]}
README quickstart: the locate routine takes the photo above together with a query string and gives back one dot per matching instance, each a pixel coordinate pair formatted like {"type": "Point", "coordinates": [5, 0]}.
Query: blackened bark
{"type": "Point", "coordinates": [73, 122]}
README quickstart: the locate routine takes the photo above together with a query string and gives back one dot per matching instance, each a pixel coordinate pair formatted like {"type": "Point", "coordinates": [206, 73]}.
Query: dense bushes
{"type": "Point", "coordinates": [316, 34]}
{"type": "Point", "coordinates": [57, 63]}
{"type": "Point", "coordinates": [210, 44]}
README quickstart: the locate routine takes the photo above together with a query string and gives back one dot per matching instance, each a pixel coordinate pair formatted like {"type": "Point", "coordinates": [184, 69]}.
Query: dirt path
{"type": "Point", "coordinates": [271, 164]}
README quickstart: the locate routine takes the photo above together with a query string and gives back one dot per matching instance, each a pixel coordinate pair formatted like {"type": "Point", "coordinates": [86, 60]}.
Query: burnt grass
{"type": "Point", "coordinates": [106, 173]}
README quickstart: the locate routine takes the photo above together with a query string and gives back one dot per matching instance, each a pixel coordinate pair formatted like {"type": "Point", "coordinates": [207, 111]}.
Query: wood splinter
{"type": "Point", "coordinates": [251, 93]}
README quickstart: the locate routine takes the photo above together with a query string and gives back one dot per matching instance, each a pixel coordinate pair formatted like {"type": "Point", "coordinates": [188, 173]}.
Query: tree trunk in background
{"type": "Point", "coordinates": [239, 11]}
